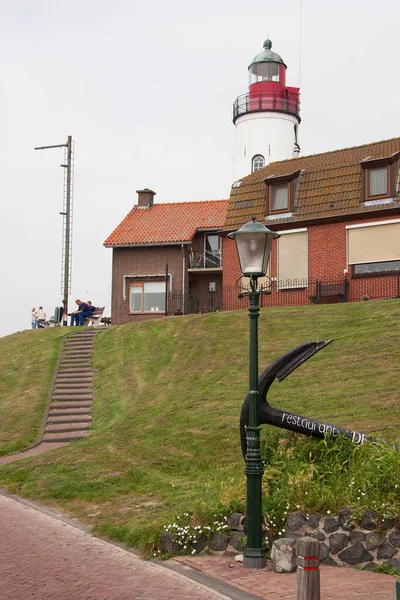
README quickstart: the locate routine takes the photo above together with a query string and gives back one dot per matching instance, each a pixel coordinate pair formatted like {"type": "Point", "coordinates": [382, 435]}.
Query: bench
{"type": "Point", "coordinates": [330, 291]}
{"type": "Point", "coordinates": [95, 317]}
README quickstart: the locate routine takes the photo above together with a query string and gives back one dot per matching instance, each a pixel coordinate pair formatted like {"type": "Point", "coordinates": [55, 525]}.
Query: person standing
{"type": "Point", "coordinates": [34, 318]}
{"type": "Point", "coordinates": [41, 317]}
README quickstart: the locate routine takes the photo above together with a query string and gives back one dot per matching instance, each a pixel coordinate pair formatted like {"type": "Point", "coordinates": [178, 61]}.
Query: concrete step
{"type": "Point", "coordinates": [76, 404]}
{"type": "Point", "coordinates": [70, 389]}
{"type": "Point", "coordinates": [67, 392]}
{"type": "Point", "coordinates": [69, 418]}
{"type": "Point", "coordinates": [65, 437]}
{"type": "Point", "coordinates": [67, 427]}
{"type": "Point", "coordinates": [70, 412]}
{"type": "Point", "coordinates": [72, 398]}
{"type": "Point", "coordinates": [75, 372]}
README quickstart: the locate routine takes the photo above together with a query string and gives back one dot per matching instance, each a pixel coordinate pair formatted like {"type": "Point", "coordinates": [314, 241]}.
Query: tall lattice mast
{"type": "Point", "coordinates": [66, 265]}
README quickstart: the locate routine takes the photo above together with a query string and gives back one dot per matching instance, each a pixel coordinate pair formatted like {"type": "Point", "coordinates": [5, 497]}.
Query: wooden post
{"type": "Point", "coordinates": [308, 576]}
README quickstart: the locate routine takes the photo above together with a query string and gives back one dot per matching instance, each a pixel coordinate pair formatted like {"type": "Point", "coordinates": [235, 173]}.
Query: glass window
{"type": "Point", "coordinates": [279, 197]}
{"type": "Point", "coordinates": [378, 182]}
{"type": "Point", "coordinates": [148, 296]}
{"type": "Point", "coordinates": [258, 163]}
{"type": "Point", "coordinates": [136, 298]}
{"type": "Point", "coordinates": [213, 250]}
{"type": "Point", "coordinates": [376, 267]}
{"type": "Point", "coordinates": [154, 296]}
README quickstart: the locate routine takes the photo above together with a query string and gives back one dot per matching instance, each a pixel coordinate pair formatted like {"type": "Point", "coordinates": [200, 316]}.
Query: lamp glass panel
{"type": "Point", "coordinates": [252, 249]}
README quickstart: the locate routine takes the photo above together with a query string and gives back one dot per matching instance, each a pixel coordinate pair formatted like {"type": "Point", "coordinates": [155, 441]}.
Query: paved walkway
{"type": "Point", "coordinates": [337, 583]}
{"type": "Point", "coordinates": [47, 557]}
{"type": "Point", "coordinates": [42, 558]}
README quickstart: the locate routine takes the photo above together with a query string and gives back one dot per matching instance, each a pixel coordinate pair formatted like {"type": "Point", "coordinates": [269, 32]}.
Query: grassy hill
{"type": "Point", "coordinates": [165, 437]}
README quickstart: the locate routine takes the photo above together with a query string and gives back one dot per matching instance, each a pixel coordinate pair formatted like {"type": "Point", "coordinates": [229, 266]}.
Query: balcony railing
{"type": "Point", "coordinates": [266, 101]}
{"type": "Point", "coordinates": [205, 260]}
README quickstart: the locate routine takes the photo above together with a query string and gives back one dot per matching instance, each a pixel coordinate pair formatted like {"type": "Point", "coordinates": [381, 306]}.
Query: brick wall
{"type": "Point", "coordinates": [144, 261]}
{"type": "Point", "coordinates": [326, 260]}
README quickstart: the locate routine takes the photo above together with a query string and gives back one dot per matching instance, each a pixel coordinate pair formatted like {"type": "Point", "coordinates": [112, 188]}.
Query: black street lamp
{"type": "Point", "coordinates": [253, 244]}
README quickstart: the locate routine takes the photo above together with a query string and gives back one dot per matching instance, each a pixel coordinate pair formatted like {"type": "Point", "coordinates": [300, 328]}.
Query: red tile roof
{"type": "Point", "coordinates": [175, 222]}
{"type": "Point", "coordinates": [329, 186]}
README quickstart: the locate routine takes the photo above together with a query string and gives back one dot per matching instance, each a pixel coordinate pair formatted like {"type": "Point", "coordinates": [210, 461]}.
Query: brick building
{"type": "Point", "coordinates": [338, 214]}
{"type": "Point", "coordinates": [167, 259]}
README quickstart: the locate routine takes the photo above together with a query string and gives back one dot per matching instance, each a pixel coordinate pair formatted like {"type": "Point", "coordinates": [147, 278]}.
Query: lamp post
{"type": "Point", "coordinates": [253, 244]}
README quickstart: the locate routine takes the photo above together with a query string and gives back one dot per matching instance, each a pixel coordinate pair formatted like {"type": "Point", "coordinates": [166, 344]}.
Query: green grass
{"type": "Point", "coordinates": [165, 437]}
{"type": "Point", "coordinates": [28, 359]}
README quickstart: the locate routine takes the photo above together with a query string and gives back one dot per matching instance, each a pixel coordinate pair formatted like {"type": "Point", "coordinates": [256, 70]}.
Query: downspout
{"type": "Point", "coordinates": [183, 278]}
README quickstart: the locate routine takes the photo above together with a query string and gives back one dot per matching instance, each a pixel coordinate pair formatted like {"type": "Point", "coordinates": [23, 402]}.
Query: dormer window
{"type": "Point", "coordinates": [377, 182]}
{"type": "Point", "coordinates": [379, 177]}
{"type": "Point", "coordinates": [281, 192]}
{"type": "Point", "coordinates": [279, 198]}
{"type": "Point", "coordinates": [258, 163]}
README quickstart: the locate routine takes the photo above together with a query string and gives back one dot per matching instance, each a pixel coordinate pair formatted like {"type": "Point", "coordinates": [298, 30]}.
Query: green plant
{"type": "Point", "coordinates": [386, 569]}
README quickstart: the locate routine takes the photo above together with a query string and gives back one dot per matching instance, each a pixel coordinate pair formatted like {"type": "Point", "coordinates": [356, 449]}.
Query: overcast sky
{"type": "Point", "coordinates": [145, 88]}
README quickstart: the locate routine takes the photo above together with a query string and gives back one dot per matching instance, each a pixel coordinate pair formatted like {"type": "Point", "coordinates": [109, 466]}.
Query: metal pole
{"type": "Point", "coordinates": [398, 589]}
{"type": "Point", "coordinates": [254, 557]}
{"type": "Point", "coordinates": [67, 231]}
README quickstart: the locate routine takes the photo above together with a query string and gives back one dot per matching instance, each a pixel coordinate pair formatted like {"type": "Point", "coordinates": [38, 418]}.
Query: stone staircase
{"type": "Point", "coordinates": [70, 412]}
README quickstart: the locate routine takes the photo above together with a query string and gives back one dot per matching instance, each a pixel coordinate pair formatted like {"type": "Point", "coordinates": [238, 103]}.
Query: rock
{"type": "Point", "coordinates": [239, 558]}
{"type": "Point", "coordinates": [356, 536]}
{"type": "Point", "coordinates": [236, 540]}
{"type": "Point", "coordinates": [355, 554]}
{"type": "Point", "coordinates": [345, 518]}
{"type": "Point", "coordinates": [368, 520]}
{"type": "Point", "coordinates": [369, 566]}
{"type": "Point", "coordinates": [337, 542]}
{"type": "Point", "coordinates": [394, 539]}
{"type": "Point", "coordinates": [323, 551]}
{"type": "Point", "coordinates": [318, 535]}
{"type": "Point", "coordinates": [331, 524]}
{"type": "Point", "coordinates": [200, 542]}
{"type": "Point", "coordinates": [218, 541]}
{"type": "Point", "coordinates": [283, 555]}
{"type": "Point", "coordinates": [235, 521]}
{"type": "Point", "coordinates": [168, 544]}
{"type": "Point", "coordinates": [373, 540]}
{"type": "Point", "coordinates": [330, 562]}
{"type": "Point", "coordinates": [387, 524]}
{"type": "Point", "coordinates": [386, 550]}
{"type": "Point", "coordinates": [295, 521]}
{"type": "Point", "coordinates": [394, 563]}
{"type": "Point", "coordinates": [313, 520]}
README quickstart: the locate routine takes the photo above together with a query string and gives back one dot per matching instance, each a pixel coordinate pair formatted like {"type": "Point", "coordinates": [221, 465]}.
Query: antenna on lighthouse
{"type": "Point", "coordinates": [300, 41]}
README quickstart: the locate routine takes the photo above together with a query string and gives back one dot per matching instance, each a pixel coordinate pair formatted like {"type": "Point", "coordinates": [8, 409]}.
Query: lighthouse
{"type": "Point", "coordinates": [266, 119]}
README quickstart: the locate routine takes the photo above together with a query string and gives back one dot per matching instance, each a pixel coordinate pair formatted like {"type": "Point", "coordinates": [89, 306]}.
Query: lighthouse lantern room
{"type": "Point", "coordinates": [267, 117]}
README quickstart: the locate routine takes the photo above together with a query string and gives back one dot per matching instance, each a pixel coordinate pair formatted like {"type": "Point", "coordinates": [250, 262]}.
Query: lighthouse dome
{"type": "Point", "coordinates": [267, 55]}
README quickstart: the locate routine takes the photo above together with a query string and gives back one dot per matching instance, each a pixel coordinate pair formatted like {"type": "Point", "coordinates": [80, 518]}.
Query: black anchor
{"type": "Point", "coordinates": [280, 369]}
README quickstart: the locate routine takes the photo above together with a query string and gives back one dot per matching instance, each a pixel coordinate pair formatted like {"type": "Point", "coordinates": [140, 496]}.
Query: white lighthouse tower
{"type": "Point", "coordinates": [267, 117]}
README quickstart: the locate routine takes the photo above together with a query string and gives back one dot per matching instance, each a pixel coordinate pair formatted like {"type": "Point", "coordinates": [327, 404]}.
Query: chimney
{"type": "Point", "coordinates": [145, 198]}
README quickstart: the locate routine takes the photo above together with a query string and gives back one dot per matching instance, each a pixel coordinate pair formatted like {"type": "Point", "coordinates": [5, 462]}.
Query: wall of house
{"type": "Point", "coordinates": [151, 260]}
{"type": "Point", "coordinates": [327, 260]}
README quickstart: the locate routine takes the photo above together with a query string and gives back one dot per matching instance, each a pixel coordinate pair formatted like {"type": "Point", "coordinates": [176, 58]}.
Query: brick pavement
{"type": "Point", "coordinates": [43, 558]}
{"type": "Point", "coordinates": [337, 583]}
{"type": "Point", "coordinates": [48, 558]}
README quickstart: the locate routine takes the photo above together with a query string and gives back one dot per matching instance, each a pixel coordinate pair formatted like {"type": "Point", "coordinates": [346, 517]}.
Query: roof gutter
{"type": "Point", "coordinates": [146, 245]}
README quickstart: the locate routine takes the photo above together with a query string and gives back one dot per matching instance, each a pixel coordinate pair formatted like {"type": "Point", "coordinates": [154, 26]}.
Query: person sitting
{"type": "Point", "coordinates": [92, 308]}
{"type": "Point", "coordinates": [78, 316]}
